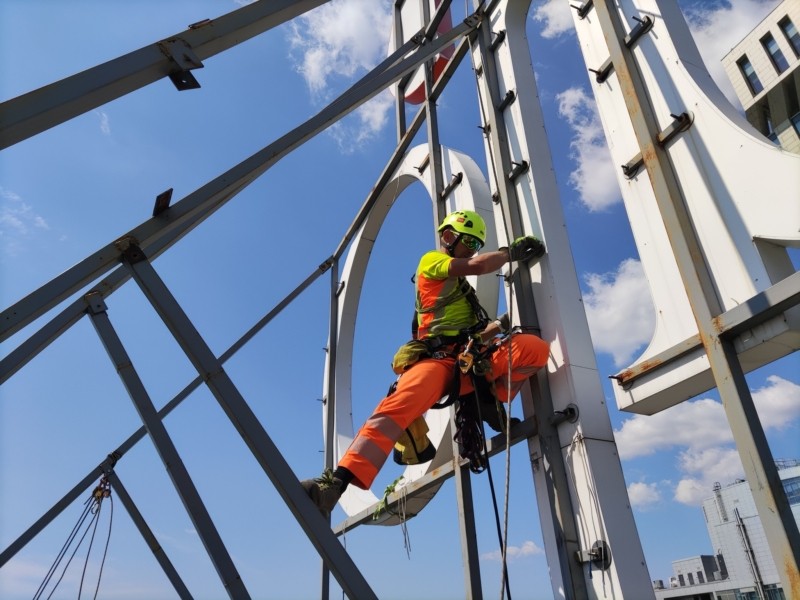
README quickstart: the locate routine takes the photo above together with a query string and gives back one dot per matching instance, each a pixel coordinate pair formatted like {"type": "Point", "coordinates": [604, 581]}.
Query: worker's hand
{"type": "Point", "coordinates": [525, 248]}
{"type": "Point", "coordinates": [497, 327]}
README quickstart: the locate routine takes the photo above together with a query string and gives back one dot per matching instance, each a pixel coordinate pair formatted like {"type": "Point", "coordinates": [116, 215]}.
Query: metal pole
{"type": "Point", "coordinates": [149, 537]}
{"type": "Point", "coordinates": [536, 397]}
{"type": "Point", "coordinates": [173, 463]}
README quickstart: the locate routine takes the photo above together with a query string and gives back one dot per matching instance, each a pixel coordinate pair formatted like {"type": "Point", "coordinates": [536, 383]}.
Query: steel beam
{"type": "Point", "coordinates": [173, 463]}
{"type": "Point", "coordinates": [108, 464]}
{"type": "Point", "coordinates": [149, 537]}
{"type": "Point", "coordinates": [41, 109]}
{"type": "Point", "coordinates": [183, 216]}
{"type": "Point", "coordinates": [247, 424]}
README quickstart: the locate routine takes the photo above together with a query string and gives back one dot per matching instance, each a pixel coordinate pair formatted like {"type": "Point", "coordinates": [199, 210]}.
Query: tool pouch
{"type": "Point", "coordinates": [409, 354]}
{"type": "Point", "coordinates": [414, 447]}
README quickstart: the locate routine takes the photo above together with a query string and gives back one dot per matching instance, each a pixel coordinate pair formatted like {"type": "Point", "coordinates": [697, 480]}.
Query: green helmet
{"type": "Point", "coordinates": [465, 221]}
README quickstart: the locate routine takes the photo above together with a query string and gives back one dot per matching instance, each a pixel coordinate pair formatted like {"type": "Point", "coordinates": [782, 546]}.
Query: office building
{"type": "Point", "coordinates": [741, 567]}
{"type": "Point", "coordinates": [764, 69]}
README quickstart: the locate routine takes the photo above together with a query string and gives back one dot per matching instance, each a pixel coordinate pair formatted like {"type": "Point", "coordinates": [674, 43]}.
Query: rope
{"type": "Point", "coordinates": [504, 538]}
{"type": "Point", "coordinates": [93, 506]}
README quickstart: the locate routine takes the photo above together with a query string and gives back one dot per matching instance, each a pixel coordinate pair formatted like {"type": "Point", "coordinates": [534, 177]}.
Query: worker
{"type": "Point", "coordinates": [447, 316]}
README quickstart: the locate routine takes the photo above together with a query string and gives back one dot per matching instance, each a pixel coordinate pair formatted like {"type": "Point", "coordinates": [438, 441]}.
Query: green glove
{"type": "Point", "coordinates": [525, 248]}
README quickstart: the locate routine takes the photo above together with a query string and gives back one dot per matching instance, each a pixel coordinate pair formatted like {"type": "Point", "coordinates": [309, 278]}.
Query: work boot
{"type": "Point", "coordinates": [494, 415]}
{"type": "Point", "coordinates": [324, 491]}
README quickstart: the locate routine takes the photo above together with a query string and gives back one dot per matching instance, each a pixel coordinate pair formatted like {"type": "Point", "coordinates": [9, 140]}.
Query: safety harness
{"type": "Point", "coordinates": [472, 358]}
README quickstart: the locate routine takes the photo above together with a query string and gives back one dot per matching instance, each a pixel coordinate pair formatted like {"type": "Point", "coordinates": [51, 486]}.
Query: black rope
{"type": "Point", "coordinates": [62, 552]}
{"type": "Point", "coordinates": [93, 506]}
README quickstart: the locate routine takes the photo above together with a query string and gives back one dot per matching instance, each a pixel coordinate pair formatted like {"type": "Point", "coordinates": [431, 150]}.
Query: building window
{"type": "Point", "coordinates": [775, 54]}
{"type": "Point", "coordinates": [795, 119]}
{"type": "Point", "coordinates": [792, 486]}
{"type": "Point", "coordinates": [700, 578]}
{"type": "Point", "coordinates": [753, 82]}
{"type": "Point", "coordinates": [691, 578]}
{"type": "Point", "coordinates": [681, 580]}
{"type": "Point", "coordinates": [790, 31]}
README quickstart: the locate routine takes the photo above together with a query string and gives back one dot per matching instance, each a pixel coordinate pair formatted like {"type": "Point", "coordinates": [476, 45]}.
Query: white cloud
{"type": "Point", "coordinates": [555, 17]}
{"type": "Point", "coordinates": [370, 118]}
{"type": "Point", "coordinates": [529, 548]}
{"type": "Point", "coordinates": [719, 27]}
{"type": "Point", "coordinates": [700, 431]}
{"type": "Point", "coordinates": [340, 38]}
{"type": "Point", "coordinates": [334, 44]}
{"type": "Point", "coordinates": [18, 221]}
{"type": "Point", "coordinates": [594, 178]}
{"type": "Point", "coordinates": [621, 317]}
{"type": "Point", "coordinates": [643, 495]}
{"type": "Point", "coordinates": [698, 424]}
{"type": "Point", "coordinates": [778, 404]}
{"type": "Point", "coordinates": [105, 124]}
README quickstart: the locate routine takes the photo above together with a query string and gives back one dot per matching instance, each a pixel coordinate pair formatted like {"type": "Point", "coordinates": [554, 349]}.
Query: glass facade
{"type": "Point", "coordinates": [776, 56]}
{"type": "Point", "coordinates": [753, 82]}
{"type": "Point", "coordinates": [790, 31]}
{"type": "Point", "coordinates": [792, 489]}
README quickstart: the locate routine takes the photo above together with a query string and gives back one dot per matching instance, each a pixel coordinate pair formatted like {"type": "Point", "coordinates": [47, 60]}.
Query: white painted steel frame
{"type": "Point", "coordinates": [580, 487]}
{"type": "Point", "coordinates": [704, 203]}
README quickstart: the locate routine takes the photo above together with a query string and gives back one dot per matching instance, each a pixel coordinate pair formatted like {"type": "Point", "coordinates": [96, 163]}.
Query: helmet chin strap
{"type": "Point", "coordinates": [451, 247]}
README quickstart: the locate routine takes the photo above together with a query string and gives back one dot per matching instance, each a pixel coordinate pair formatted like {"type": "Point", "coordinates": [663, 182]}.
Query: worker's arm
{"type": "Point", "coordinates": [480, 264]}
{"type": "Point", "coordinates": [522, 249]}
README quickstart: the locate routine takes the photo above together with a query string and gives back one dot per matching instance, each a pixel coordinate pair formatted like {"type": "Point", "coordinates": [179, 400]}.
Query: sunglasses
{"type": "Point", "coordinates": [472, 243]}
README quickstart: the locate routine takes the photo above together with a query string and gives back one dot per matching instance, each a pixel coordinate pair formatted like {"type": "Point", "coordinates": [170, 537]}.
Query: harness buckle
{"type": "Point", "coordinates": [465, 360]}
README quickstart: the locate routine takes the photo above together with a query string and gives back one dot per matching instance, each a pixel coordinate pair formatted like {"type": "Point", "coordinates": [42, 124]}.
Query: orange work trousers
{"type": "Point", "coordinates": [421, 387]}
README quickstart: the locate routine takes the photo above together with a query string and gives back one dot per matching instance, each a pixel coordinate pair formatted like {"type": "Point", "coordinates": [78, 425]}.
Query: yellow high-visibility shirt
{"type": "Point", "coordinates": [442, 307]}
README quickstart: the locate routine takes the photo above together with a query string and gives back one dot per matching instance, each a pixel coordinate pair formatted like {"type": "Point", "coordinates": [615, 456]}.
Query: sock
{"type": "Point", "coordinates": [345, 475]}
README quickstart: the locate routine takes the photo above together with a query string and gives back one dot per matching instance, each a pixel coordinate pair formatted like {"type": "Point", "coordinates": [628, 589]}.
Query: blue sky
{"type": "Point", "coordinates": [78, 186]}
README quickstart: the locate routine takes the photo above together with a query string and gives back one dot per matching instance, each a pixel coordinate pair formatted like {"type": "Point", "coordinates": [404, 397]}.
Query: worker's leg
{"type": "Point", "coordinates": [418, 389]}
{"type": "Point", "coordinates": [529, 353]}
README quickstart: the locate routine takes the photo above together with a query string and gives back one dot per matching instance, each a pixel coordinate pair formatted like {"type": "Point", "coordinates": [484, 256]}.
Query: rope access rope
{"type": "Point", "coordinates": [504, 585]}
{"type": "Point", "coordinates": [93, 506]}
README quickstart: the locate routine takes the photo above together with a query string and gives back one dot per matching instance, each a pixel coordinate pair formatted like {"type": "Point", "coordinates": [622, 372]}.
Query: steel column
{"type": "Point", "coordinates": [536, 397]}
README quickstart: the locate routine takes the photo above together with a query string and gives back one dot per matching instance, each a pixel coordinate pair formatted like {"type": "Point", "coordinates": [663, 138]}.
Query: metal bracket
{"type": "Point", "coordinates": [509, 99]}
{"type": "Point", "coordinates": [601, 74]}
{"type": "Point", "coordinates": [454, 182]}
{"type": "Point", "coordinates": [681, 123]}
{"type": "Point", "coordinates": [518, 169]}
{"type": "Point", "coordinates": [642, 27]}
{"type": "Point", "coordinates": [162, 202]}
{"type": "Point", "coordinates": [570, 414]}
{"type": "Point", "coordinates": [632, 167]}
{"type": "Point", "coordinates": [599, 555]}
{"type": "Point", "coordinates": [499, 38]}
{"type": "Point", "coordinates": [95, 303]}
{"type": "Point", "coordinates": [129, 247]}
{"type": "Point", "coordinates": [184, 59]}
{"type": "Point", "coordinates": [584, 9]}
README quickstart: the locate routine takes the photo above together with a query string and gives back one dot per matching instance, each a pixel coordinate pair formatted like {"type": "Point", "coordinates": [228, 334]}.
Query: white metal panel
{"type": "Point", "coordinates": [737, 185]}
{"type": "Point", "coordinates": [596, 486]}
